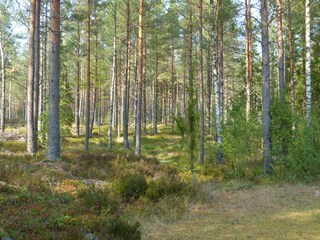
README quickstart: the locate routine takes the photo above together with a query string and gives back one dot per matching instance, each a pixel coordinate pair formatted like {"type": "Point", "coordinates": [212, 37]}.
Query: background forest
{"type": "Point", "coordinates": [111, 106]}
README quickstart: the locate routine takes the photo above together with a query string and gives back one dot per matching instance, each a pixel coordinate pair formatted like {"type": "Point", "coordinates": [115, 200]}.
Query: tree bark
{"type": "Point", "coordinates": [308, 63]}
{"type": "Point", "coordinates": [155, 99]}
{"type": "Point", "coordinates": [291, 57]}
{"type": "Point", "coordinates": [125, 102]}
{"type": "Point", "coordinates": [216, 83]}
{"type": "Point", "coordinates": [201, 150]}
{"type": "Point", "coordinates": [266, 115]}
{"type": "Point", "coordinates": [248, 58]}
{"type": "Point", "coordinates": [36, 68]}
{"type": "Point", "coordinates": [114, 75]}
{"type": "Point", "coordinates": [87, 136]}
{"type": "Point", "coordinates": [53, 151]}
{"type": "Point", "coordinates": [3, 85]}
{"type": "Point", "coordinates": [31, 141]}
{"type": "Point", "coordinates": [280, 52]}
{"type": "Point", "coordinates": [140, 79]}
{"type": "Point", "coordinates": [78, 76]}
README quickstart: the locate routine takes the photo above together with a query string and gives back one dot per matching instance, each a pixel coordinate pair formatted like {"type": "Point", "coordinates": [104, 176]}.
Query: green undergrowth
{"type": "Point", "coordinates": [87, 195]}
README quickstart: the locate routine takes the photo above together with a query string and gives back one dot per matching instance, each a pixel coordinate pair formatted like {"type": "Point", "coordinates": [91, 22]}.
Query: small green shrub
{"type": "Point", "coordinates": [97, 199]}
{"type": "Point", "coordinates": [119, 229]}
{"type": "Point", "coordinates": [161, 187]}
{"type": "Point", "coordinates": [132, 186]}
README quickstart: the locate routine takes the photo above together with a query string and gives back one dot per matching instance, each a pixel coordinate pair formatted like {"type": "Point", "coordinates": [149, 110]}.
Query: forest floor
{"type": "Point", "coordinates": [85, 195]}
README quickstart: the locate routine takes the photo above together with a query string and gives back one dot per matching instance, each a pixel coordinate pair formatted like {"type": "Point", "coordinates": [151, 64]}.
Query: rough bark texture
{"type": "Point", "coordinates": [53, 151]}
{"type": "Point", "coordinates": [308, 64]}
{"type": "Point", "coordinates": [291, 57]}
{"type": "Point", "coordinates": [216, 83]}
{"type": "Point", "coordinates": [87, 135]}
{"type": "Point", "coordinates": [155, 99]}
{"type": "Point", "coordinates": [125, 108]}
{"type": "Point", "coordinates": [3, 86]}
{"type": "Point", "coordinates": [140, 79]}
{"type": "Point", "coordinates": [114, 76]}
{"type": "Point", "coordinates": [266, 116]}
{"type": "Point", "coordinates": [36, 68]}
{"type": "Point", "coordinates": [78, 73]}
{"type": "Point", "coordinates": [31, 144]}
{"type": "Point", "coordinates": [201, 150]}
{"type": "Point", "coordinates": [280, 52]}
{"type": "Point", "coordinates": [248, 58]}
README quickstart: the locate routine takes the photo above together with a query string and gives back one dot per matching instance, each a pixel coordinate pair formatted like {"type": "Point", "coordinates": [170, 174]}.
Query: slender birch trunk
{"type": "Point", "coordinates": [248, 58]}
{"type": "Point", "coordinates": [216, 83]}
{"type": "Point", "coordinates": [308, 63]}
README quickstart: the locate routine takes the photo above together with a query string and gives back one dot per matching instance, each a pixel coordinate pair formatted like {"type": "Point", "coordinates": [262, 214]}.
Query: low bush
{"type": "Point", "coordinates": [118, 228]}
{"type": "Point", "coordinates": [97, 199]}
{"type": "Point", "coordinates": [161, 187]}
{"type": "Point", "coordinates": [132, 186]}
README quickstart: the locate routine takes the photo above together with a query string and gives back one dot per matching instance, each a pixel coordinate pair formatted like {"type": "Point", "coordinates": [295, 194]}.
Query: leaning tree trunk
{"type": "Point", "coordinates": [87, 136]}
{"type": "Point", "coordinates": [308, 64]}
{"type": "Point", "coordinates": [53, 151]}
{"type": "Point", "coordinates": [266, 115]}
{"type": "Point", "coordinates": [140, 79]}
{"type": "Point", "coordinates": [31, 141]}
{"type": "Point", "coordinates": [280, 52]}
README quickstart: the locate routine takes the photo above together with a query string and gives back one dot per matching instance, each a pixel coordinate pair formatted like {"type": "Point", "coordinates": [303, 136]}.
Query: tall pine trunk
{"type": "Point", "coordinates": [280, 52]}
{"type": "Point", "coordinates": [140, 79]}
{"type": "Point", "coordinates": [31, 141]}
{"type": "Point", "coordinates": [3, 85]}
{"type": "Point", "coordinates": [114, 76]}
{"type": "Point", "coordinates": [53, 151]}
{"type": "Point", "coordinates": [125, 102]}
{"type": "Point", "coordinates": [87, 113]}
{"type": "Point", "coordinates": [266, 115]}
{"type": "Point", "coordinates": [291, 57]}
{"type": "Point", "coordinates": [201, 150]}
{"type": "Point", "coordinates": [36, 68]}
{"type": "Point", "coordinates": [155, 98]}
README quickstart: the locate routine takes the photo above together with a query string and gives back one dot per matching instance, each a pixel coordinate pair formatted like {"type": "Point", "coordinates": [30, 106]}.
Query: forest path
{"type": "Point", "coordinates": [261, 212]}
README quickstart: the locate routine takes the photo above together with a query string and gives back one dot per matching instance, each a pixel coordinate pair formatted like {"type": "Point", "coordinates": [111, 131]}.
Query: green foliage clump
{"type": "Point", "coordinates": [303, 160]}
{"type": "Point", "coordinates": [132, 186]}
{"type": "Point", "coordinates": [97, 199]}
{"type": "Point", "coordinates": [161, 187]}
{"type": "Point", "coordinates": [118, 228]}
{"type": "Point", "coordinates": [242, 143]}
